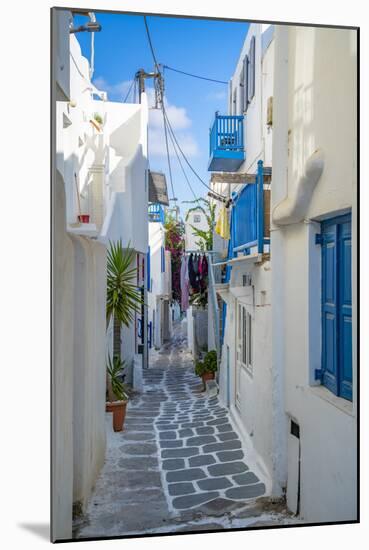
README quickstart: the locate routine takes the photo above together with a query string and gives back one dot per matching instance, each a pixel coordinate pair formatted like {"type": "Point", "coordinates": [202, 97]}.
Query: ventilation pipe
{"type": "Point", "coordinates": [293, 209]}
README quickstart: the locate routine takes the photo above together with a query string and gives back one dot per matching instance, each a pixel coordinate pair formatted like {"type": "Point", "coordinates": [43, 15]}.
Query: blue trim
{"type": "Point", "coordinates": [260, 207]}
{"type": "Point", "coordinates": [162, 259]}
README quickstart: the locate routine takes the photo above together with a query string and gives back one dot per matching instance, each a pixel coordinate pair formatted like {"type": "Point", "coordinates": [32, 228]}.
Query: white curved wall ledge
{"type": "Point", "coordinates": [293, 209]}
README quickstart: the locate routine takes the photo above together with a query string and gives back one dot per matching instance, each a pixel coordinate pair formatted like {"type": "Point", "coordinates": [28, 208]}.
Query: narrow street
{"type": "Point", "coordinates": [179, 465]}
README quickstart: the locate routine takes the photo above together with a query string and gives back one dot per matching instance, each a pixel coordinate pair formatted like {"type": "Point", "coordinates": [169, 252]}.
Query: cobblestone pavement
{"type": "Point", "coordinates": [178, 465]}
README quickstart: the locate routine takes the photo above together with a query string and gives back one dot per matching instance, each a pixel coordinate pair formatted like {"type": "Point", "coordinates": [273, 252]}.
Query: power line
{"type": "Point", "coordinates": [187, 161]}
{"type": "Point", "coordinates": [180, 163]}
{"type": "Point", "coordinates": [165, 116]}
{"type": "Point", "coordinates": [150, 44]}
{"type": "Point", "coordinates": [129, 91]}
{"type": "Point", "coordinates": [195, 75]}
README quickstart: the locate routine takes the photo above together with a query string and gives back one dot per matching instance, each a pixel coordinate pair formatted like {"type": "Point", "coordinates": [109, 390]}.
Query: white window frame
{"type": "Point", "coordinates": [244, 336]}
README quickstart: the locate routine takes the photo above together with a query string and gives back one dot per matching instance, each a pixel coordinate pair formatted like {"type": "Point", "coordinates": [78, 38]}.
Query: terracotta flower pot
{"type": "Point", "coordinates": [84, 218]}
{"type": "Point", "coordinates": [118, 408]}
{"type": "Point", "coordinates": [207, 376]}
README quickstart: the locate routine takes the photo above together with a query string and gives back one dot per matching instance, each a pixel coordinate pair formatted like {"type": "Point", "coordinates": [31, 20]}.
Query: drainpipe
{"type": "Point", "coordinates": [292, 209]}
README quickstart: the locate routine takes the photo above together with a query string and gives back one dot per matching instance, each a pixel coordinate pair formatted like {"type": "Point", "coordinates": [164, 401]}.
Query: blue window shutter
{"type": "Point", "coordinates": [251, 91]}
{"type": "Point", "coordinates": [246, 82]}
{"type": "Point", "coordinates": [329, 308]}
{"type": "Point", "coordinates": [336, 306]}
{"type": "Point", "coordinates": [345, 315]}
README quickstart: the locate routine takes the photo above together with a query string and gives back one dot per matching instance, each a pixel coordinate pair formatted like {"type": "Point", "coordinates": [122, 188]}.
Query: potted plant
{"type": "Point", "coordinates": [206, 369]}
{"type": "Point", "coordinates": [117, 390]}
{"type": "Point", "coordinates": [97, 121]}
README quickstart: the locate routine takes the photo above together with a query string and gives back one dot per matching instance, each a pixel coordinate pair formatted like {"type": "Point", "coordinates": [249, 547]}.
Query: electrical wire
{"type": "Point", "coordinates": [195, 75]}
{"type": "Point", "coordinates": [165, 116]}
{"type": "Point", "coordinates": [220, 197]}
{"type": "Point", "coordinates": [129, 91]}
{"type": "Point", "coordinates": [151, 46]}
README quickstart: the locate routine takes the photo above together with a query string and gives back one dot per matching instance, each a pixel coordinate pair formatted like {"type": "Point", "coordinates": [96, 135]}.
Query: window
{"type": "Point", "coordinates": [242, 85]}
{"type": "Point", "coordinates": [234, 102]}
{"type": "Point", "coordinates": [245, 82]}
{"type": "Point", "coordinates": [251, 72]}
{"type": "Point", "coordinates": [245, 337]}
{"type": "Point", "coordinates": [196, 218]}
{"type": "Point", "coordinates": [230, 97]}
{"type": "Point", "coordinates": [336, 370]}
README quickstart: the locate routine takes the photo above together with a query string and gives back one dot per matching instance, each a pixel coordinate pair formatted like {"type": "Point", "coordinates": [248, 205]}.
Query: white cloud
{"type": "Point", "coordinates": [180, 123]}
{"type": "Point", "coordinates": [120, 88]}
{"type": "Point", "coordinates": [178, 118]}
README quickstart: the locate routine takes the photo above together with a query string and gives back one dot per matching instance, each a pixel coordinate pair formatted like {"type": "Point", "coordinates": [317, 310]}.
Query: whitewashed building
{"type": "Point", "coordinates": [159, 283]}
{"type": "Point", "coordinates": [197, 219]}
{"type": "Point", "coordinates": [241, 160]}
{"type": "Point", "coordinates": [99, 194]}
{"type": "Point", "coordinates": [314, 242]}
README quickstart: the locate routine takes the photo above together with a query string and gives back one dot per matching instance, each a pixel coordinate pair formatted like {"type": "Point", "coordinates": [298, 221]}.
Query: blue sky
{"type": "Point", "coordinates": [203, 47]}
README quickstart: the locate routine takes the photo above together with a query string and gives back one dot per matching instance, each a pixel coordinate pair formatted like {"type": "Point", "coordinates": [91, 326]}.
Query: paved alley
{"type": "Point", "coordinates": [178, 465]}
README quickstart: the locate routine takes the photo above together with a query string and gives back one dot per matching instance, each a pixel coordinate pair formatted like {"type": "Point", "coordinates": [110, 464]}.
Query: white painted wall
{"type": "Point", "coordinates": [191, 240]}
{"type": "Point", "coordinates": [111, 167]}
{"type": "Point", "coordinates": [255, 416]}
{"type": "Point", "coordinates": [160, 285]}
{"type": "Point", "coordinates": [314, 105]}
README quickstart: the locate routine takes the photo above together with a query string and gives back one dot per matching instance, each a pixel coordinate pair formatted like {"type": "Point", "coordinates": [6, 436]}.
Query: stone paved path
{"type": "Point", "coordinates": [178, 465]}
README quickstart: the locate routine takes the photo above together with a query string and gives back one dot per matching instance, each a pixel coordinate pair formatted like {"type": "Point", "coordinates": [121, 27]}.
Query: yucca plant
{"type": "Point", "coordinates": [119, 389]}
{"type": "Point", "coordinates": [123, 298]}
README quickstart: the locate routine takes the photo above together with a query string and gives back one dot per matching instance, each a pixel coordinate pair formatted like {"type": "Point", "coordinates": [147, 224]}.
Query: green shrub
{"type": "Point", "coordinates": [210, 361]}
{"type": "Point", "coordinates": [209, 364]}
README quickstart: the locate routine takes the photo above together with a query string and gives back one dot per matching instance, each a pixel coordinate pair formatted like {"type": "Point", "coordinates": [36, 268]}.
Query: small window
{"type": "Point", "coordinates": [251, 75]}
{"type": "Point", "coordinates": [234, 102]}
{"type": "Point", "coordinates": [245, 337]}
{"type": "Point", "coordinates": [245, 82]}
{"type": "Point", "coordinates": [242, 84]}
{"type": "Point", "coordinates": [196, 218]}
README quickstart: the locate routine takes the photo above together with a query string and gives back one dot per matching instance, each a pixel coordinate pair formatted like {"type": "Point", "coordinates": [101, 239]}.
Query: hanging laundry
{"type": "Point", "coordinates": [185, 284]}
{"type": "Point", "coordinates": [222, 225]}
{"type": "Point", "coordinates": [191, 271]}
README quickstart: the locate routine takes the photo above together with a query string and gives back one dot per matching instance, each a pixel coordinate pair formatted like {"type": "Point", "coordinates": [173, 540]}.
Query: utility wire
{"type": "Point", "coordinates": [165, 116]}
{"type": "Point", "coordinates": [129, 91]}
{"type": "Point", "coordinates": [195, 75]}
{"type": "Point", "coordinates": [150, 44]}
{"type": "Point", "coordinates": [187, 161]}
{"type": "Point", "coordinates": [180, 163]}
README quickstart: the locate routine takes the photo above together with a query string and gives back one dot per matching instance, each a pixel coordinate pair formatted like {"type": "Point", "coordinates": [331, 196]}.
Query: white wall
{"type": "Point", "coordinates": [315, 107]}
{"type": "Point", "coordinates": [78, 367]}
{"type": "Point", "coordinates": [255, 417]}
{"type": "Point", "coordinates": [191, 239]}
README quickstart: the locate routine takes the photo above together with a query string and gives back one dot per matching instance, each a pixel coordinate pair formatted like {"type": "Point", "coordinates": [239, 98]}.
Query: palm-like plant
{"type": "Point", "coordinates": [115, 368]}
{"type": "Point", "coordinates": [123, 298]}
{"type": "Point", "coordinates": [206, 237]}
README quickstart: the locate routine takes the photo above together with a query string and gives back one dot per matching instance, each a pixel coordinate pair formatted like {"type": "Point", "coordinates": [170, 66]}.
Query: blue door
{"type": "Point", "coordinates": [336, 306]}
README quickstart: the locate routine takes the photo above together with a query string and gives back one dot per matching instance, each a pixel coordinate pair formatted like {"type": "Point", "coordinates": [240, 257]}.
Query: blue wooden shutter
{"type": "Point", "coordinates": [251, 91]}
{"type": "Point", "coordinates": [246, 82]}
{"type": "Point", "coordinates": [345, 315]}
{"type": "Point", "coordinates": [336, 306]}
{"type": "Point", "coordinates": [329, 308]}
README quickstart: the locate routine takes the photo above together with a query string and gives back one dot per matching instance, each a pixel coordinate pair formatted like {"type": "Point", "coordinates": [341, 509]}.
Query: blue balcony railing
{"type": "Point", "coordinates": [156, 213]}
{"type": "Point", "coordinates": [249, 229]}
{"type": "Point", "coordinates": [227, 151]}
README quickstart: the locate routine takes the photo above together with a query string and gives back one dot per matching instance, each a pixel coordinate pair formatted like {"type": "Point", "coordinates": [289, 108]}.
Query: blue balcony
{"type": "Point", "coordinates": [227, 151]}
{"type": "Point", "coordinates": [156, 213]}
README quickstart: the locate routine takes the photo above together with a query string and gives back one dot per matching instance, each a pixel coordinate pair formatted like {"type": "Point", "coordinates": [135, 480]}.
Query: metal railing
{"type": "Point", "coordinates": [227, 133]}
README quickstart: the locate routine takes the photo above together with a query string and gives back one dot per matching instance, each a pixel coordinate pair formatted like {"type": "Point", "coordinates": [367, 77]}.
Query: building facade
{"type": "Point", "coordinates": [99, 194]}
{"type": "Point", "coordinates": [314, 266]}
